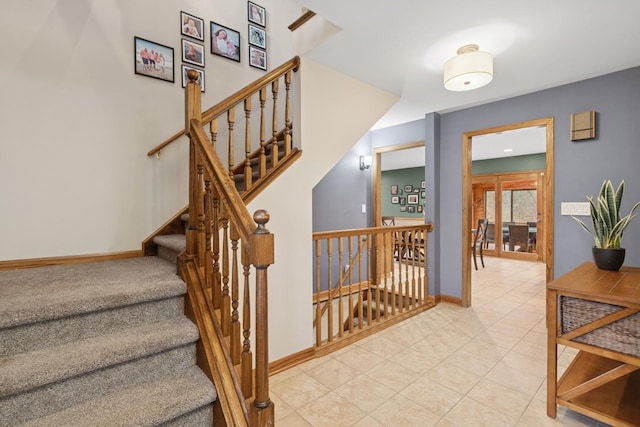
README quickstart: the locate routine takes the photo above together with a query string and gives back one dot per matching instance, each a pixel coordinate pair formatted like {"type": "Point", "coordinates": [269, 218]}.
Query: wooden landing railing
{"type": "Point", "coordinates": [264, 142]}
{"type": "Point", "coordinates": [366, 280]}
{"type": "Point", "coordinates": [223, 242]}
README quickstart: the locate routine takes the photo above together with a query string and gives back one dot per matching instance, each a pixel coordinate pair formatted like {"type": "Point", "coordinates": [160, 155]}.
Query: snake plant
{"type": "Point", "coordinates": [608, 227]}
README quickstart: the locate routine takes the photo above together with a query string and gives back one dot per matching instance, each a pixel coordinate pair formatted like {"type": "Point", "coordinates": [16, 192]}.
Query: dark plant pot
{"type": "Point", "coordinates": [608, 259]}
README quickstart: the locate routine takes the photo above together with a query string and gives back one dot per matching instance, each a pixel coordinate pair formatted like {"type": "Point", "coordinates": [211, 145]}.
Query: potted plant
{"type": "Point", "coordinates": [607, 226]}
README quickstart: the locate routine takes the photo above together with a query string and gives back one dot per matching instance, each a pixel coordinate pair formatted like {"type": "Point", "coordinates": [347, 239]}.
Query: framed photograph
{"type": "Point", "coordinates": [408, 188]}
{"type": "Point", "coordinates": [416, 190]}
{"type": "Point", "coordinates": [411, 209]}
{"type": "Point", "coordinates": [403, 208]}
{"type": "Point", "coordinates": [225, 42]}
{"type": "Point", "coordinates": [419, 208]}
{"type": "Point", "coordinates": [193, 53]}
{"type": "Point", "coordinates": [257, 36]}
{"type": "Point", "coordinates": [423, 194]}
{"type": "Point", "coordinates": [423, 184]}
{"type": "Point", "coordinates": [185, 79]}
{"type": "Point", "coordinates": [152, 59]}
{"type": "Point", "coordinates": [395, 200]}
{"type": "Point", "coordinates": [403, 201]}
{"type": "Point", "coordinates": [257, 58]}
{"type": "Point", "coordinates": [394, 189]}
{"type": "Point", "coordinates": [191, 26]}
{"type": "Point", "coordinates": [412, 199]}
{"type": "Point", "coordinates": [257, 14]}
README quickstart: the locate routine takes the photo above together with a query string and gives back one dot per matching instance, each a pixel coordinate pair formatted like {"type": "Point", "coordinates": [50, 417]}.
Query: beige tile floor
{"type": "Point", "coordinates": [449, 366]}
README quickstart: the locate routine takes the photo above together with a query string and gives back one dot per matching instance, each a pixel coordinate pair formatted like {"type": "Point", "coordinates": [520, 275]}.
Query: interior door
{"type": "Point", "coordinates": [521, 214]}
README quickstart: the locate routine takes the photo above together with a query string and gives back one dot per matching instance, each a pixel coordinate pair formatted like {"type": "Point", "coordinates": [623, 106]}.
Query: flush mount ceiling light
{"type": "Point", "coordinates": [468, 70]}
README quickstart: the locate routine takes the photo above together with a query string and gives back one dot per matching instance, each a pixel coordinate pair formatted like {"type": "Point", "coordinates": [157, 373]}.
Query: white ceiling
{"type": "Point", "coordinates": [401, 46]}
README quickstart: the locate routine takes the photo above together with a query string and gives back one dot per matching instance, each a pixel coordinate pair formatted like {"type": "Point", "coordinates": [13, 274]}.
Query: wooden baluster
{"type": "Point", "coordinates": [370, 295]}
{"type": "Point", "coordinates": [231, 119]}
{"type": "Point", "coordinates": [350, 255]}
{"type": "Point", "coordinates": [329, 285]}
{"type": "Point", "coordinates": [213, 130]}
{"type": "Point", "coordinates": [262, 254]}
{"type": "Point", "coordinates": [248, 181]}
{"type": "Point", "coordinates": [247, 356]}
{"type": "Point", "coordinates": [287, 114]}
{"type": "Point", "coordinates": [388, 244]}
{"type": "Point", "coordinates": [263, 127]}
{"type": "Point", "coordinates": [216, 290]}
{"type": "Point", "coordinates": [236, 347]}
{"type": "Point", "coordinates": [318, 289]}
{"type": "Point", "coordinates": [274, 124]}
{"type": "Point", "coordinates": [201, 228]}
{"type": "Point", "coordinates": [360, 299]}
{"type": "Point", "coordinates": [208, 212]}
{"type": "Point", "coordinates": [341, 276]}
{"type": "Point", "coordinates": [226, 298]}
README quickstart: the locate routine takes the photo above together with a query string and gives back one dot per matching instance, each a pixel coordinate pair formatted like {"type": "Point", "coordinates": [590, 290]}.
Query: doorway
{"type": "Point", "coordinates": [513, 204]}
{"type": "Point", "coordinates": [544, 183]}
{"type": "Point", "coordinates": [392, 157]}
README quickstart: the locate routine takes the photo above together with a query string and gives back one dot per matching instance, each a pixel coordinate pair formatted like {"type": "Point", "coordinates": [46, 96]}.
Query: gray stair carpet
{"type": "Point", "coordinates": [99, 344]}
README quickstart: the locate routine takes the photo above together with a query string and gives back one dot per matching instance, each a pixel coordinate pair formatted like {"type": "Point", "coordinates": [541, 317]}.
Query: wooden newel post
{"type": "Point", "coordinates": [262, 255]}
{"type": "Point", "coordinates": [192, 111]}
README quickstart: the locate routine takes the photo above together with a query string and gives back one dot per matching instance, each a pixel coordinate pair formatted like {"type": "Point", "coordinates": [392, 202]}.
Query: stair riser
{"type": "Point", "coordinates": [66, 393]}
{"type": "Point", "coordinates": [168, 254]}
{"type": "Point", "coordinates": [43, 334]}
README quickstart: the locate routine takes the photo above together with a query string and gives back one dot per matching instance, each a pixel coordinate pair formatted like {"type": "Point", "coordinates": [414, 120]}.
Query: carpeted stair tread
{"type": "Point", "coordinates": [40, 294]}
{"type": "Point", "coordinates": [37, 368]}
{"type": "Point", "coordinates": [148, 404]}
{"type": "Point", "coordinates": [175, 242]}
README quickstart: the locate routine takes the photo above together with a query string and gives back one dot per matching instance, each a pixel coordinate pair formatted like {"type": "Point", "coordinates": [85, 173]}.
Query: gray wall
{"type": "Point", "coordinates": [339, 196]}
{"type": "Point", "coordinates": [580, 168]}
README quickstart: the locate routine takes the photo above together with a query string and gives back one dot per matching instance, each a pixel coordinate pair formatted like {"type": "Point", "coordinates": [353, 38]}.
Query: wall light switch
{"type": "Point", "coordinates": [575, 208]}
{"type": "Point", "coordinates": [364, 208]}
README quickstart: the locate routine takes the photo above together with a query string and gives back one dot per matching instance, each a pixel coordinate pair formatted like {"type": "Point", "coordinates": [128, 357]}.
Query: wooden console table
{"type": "Point", "coordinates": [597, 312]}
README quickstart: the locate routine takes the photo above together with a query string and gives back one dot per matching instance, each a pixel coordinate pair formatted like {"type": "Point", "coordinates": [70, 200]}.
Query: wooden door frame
{"type": "Point", "coordinates": [547, 216]}
{"type": "Point", "coordinates": [377, 176]}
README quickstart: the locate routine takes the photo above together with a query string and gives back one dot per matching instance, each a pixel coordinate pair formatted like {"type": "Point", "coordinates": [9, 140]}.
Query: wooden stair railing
{"type": "Point", "coordinates": [272, 143]}
{"type": "Point", "coordinates": [381, 286]}
{"type": "Point", "coordinates": [223, 241]}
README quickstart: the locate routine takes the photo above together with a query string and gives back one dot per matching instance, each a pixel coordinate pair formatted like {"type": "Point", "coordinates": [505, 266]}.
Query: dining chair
{"type": "Point", "coordinates": [505, 233]}
{"type": "Point", "coordinates": [491, 235]}
{"type": "Point", "coordinates": [479, 241]}
{"type": "Point", "coordinates": [519, 236]}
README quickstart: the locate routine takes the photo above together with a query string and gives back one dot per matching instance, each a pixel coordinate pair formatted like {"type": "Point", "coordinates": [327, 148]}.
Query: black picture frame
{"type": "Point", "coordinates": [403, 208]}
{"type": "Point", "coordinates": [192, 53]}
{"type": "Point", "coordinates": [403, 201]}
{"type": "Point", "coordinates": [420, 208]}
{"type": "Point", "coordinates": [411, 209]}
{"type": "Point", "coordinates": [395, 200]}
{"type": "Point", "coordinates": [257, 58]}
{"type": "Point", "coordinates": [256, 14]}
{"type": "Point", "coordinates": [257, 36]}
{"type": "Point", "coordinates": [408, 188]}
{"type": "Point", "coordinates": [230, 46]}
{"type": "Point", "coordinates": [423, 184]}
{"type": "Point", "coordinates": [144, 66]}
{"type": "Point", "coordinates": [423, 194]}
{"type": "Point", "coordinates": [185, 79]}
{"type": "Point", "coordinates": [394, 189]}
{"type": "Point", "coordinates": [191, 26]}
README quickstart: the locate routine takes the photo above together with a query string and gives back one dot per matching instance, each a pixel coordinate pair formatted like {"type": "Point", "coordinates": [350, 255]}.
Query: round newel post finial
{"type": "Point", "coordinates": [193, 75]}
{"type": "Point", "coordinates": [261, 217]}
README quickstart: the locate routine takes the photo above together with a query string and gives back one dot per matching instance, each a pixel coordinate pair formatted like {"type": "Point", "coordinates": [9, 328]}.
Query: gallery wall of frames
{"type": "Point", "coordinates": [156, 60]}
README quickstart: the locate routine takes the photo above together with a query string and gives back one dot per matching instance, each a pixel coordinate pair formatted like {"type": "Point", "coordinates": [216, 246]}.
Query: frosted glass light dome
{"type": "Point", "coordinates": [469, 69]}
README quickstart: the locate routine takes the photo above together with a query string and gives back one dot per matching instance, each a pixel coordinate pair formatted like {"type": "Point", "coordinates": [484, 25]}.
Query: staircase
{"type": "Point", "coordinates": [99, 344]}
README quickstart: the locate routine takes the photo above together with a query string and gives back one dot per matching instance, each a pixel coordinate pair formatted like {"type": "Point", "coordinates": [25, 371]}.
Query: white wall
{"type": "Point", "coordinates": [76, 122]}
{"type": "Point", "coordinates": [336, 111]}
